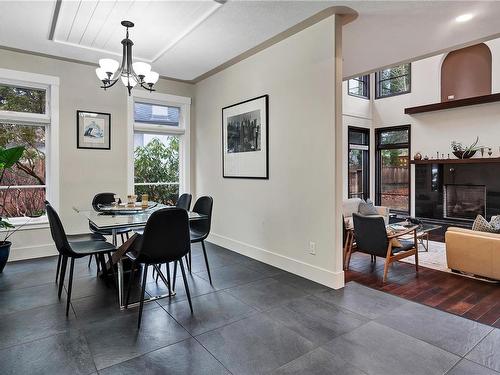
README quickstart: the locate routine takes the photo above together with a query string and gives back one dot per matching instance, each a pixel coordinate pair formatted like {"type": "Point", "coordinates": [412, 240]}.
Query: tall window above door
{"type": "Point", "coordinates": [359, 86]}
{"type": "Point", "coordinates": [393, 81]}
{"type": "Point", "coordinates": [160, 147]}
{"type": "Point", "coordinates": [359, 163]}
{"type": "Point", "coordinates": [393, 168]}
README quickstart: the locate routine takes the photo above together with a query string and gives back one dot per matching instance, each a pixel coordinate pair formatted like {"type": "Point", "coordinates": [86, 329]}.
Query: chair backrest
{"type": "Point", "coordinates": [370, 234]}
{"type": "Point", "coordinates": [57, 231]}
{"type": "Point", "coordinates": [102, 198]}
{"type": "Point", "coordinates": [166, 236]}
{"type": "Point", "coordinates": [203, 206]}
{"type": "Point", "coordinates": [350, 206]}
{"type": "Point", "coordinates": [184, 201]}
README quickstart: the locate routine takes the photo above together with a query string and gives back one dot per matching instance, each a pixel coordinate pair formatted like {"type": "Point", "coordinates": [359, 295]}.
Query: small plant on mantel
{"type": "Point", "coordinates": [462, 152]}
{"type": "Point", "coordinates": [8, 158]}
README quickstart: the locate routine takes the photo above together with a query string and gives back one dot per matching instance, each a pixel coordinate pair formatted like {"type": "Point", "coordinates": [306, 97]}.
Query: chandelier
{"type": "Point", "coordinates": [131, 74]}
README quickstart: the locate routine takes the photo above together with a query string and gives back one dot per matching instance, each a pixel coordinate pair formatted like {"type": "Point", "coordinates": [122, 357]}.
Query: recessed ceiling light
{"type": "Point", "coordinates": [464, 17]}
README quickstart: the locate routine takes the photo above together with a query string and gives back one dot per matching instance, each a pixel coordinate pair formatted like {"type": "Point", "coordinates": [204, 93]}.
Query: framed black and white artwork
{"type": "Point", "coordinates": [245, 139]}
{"type": "Point", "coordinates": [93, 130]}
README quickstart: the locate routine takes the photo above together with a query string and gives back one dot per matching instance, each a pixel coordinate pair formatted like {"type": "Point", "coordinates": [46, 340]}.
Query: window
{"type": "Point", "coordinates": [359, 163]}
{"type": "Point", "coordinates": [359, 86]}
{"type": "Point", "coordinates": [393, 168]}
{"type": "Point", "coordinates": [23, 188]}
{"type": "Point", "coordinates": [160, 147]}
{"type": "Point", "coordinates": [156, 166]}
{"type": "Point", "coordinates": [156, 114]}
{"type": "Point", "coordinates": [22, 99]}
{"type": "Point", "coordinates": [393, 81]}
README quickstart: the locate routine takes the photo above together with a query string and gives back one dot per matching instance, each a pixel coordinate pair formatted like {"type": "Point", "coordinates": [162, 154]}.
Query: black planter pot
{"type": "Point", "coordinates": [4, 254]}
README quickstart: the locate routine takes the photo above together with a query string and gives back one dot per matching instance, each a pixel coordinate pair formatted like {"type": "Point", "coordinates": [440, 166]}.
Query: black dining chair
{"type": "Point", "coordinates": [105, 198]}
{"type": "Point", "coordinates": [165, 239]}
{"type": "Point", "coordinates": [74, 251]}
{"type": "Point", "coordinates": [184, 201]}
{"type": "Point", "coordinates": [200, 229]}
{"type": "Point", "coordinates": [77, 238]}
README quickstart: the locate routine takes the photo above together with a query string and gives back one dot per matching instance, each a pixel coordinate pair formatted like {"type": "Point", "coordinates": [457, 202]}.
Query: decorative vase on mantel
{"type": "Point", "coordinates": [464, 154]}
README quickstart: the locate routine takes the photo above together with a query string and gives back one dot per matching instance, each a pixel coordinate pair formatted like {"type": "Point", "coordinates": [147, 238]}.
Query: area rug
{"type": "Point", "coordinates": [434, 258]}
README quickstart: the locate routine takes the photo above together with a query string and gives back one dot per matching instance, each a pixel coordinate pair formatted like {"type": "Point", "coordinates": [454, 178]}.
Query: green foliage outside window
{"type": "Point", "coordinates": [158, 162]}
{"type": "Point", "coordinates": [394, 80]}
{"type": "Point", "coordinates": [20, 99]}
{"type": "Point", "coordinates": [30, 168]}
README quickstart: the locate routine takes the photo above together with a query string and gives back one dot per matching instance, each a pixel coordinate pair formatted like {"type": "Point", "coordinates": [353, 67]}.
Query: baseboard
{"type": "Point", "coordinates": [320, 275]}
{"type": "Point", "coordinates": [30, 252]}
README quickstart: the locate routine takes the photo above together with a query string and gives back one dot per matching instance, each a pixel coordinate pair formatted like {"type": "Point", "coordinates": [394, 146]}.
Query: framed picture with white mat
{"type": "Point", "coordinates": [245, 139]}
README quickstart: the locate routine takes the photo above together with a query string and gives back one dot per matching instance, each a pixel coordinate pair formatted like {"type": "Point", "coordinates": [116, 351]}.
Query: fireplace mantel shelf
{"type": "Point", "coordinates": [457, 161]}
{"type": "Point", "coordinates": [453, 104]}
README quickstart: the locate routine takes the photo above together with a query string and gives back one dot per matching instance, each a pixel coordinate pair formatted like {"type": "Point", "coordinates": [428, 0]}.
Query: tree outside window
{"type": "Point", "coordinates": [156, 167]}
{"type": "Point", "coordinates": [27, 178]}
{"type": "Point", "coordinates": [393, 81]}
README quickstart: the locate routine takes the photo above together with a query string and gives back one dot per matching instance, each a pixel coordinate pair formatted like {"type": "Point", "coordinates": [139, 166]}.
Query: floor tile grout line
{"type": "Point", "coordinates": [478, 343]}
{"type": "Point", "coordinates": [144, 354]}
{"type": "Point", "coordinates": [82, 332]}
{"type": "Point", "coordinates": [39, 338]}
{"type": "Point", "coordinates": [194, 337]}
{"type": "Point", "coordinates": [213, 355]}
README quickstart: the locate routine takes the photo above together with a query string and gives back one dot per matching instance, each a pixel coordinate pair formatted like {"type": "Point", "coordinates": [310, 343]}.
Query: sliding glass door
{"type": "Point", "coordinates": [393, 168]}
{"type": "Point", "coordinates": [359, 163]}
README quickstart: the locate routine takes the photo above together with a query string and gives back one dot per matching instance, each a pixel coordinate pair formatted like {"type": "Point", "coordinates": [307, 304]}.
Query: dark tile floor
{"type": "Point", "coordinates": [255, 319]}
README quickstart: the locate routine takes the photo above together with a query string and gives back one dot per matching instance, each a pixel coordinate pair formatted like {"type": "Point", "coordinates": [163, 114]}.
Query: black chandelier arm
{"type": "Point", "coordinates": [149, 86]}
{"type": "Point", "coordinates": [108, 85]}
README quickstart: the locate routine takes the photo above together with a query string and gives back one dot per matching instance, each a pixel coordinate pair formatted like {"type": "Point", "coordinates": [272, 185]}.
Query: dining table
{"type": "Point", "coordinates": [116, 221]}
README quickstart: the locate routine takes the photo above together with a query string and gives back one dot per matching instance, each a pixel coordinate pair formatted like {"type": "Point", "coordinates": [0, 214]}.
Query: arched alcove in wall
{"type": "Point", "coordinates": [466, 73]}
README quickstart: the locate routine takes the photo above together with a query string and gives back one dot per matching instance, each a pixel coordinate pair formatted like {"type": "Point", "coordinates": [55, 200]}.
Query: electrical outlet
{"type": "Point", "coordinates": [312, 248]}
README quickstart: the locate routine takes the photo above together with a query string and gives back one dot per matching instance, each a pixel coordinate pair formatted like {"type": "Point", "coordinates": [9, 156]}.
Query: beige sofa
{"type": "Point", "coordinates": [473, 252]}
{"type": "Point", "coordinates": [351, 205]}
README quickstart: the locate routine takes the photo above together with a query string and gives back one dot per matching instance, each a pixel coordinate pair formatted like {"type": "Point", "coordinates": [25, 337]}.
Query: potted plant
{"type": "Point", "coordinates": [8, 158]}
{"type": "Point", "coordinates": [462, 152]}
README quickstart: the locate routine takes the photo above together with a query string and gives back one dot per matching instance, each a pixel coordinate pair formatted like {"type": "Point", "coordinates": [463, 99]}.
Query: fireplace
{"type": "Point", "coordinates": [455, 191]}
{"type": "Point", "coordinates": [464, 201]}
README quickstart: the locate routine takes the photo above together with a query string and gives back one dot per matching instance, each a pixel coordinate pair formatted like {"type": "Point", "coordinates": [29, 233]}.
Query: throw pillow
{"type": "Point", "coordinates": [495, 223]}
{"type": "Point", "coordinates": [367, 208]}
{"type": "Point", "coordinates": [482, 225]}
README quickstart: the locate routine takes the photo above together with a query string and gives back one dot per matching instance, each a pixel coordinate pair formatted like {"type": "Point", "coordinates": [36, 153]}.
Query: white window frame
{"type": "Point", "coordinates": [182, 131]}
{"type": "Point", "coordinates": [50, 119]}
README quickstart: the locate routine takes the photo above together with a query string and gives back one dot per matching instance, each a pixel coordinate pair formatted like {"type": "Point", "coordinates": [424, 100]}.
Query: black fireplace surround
{"type": "Point", "coordinates": [456, 193]}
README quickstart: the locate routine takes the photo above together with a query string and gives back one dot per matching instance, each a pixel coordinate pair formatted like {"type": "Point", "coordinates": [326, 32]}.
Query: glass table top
{"type": "Point", "coordinates": [136, 220]}
{"type": "Point", "coordinates": [421, 228]}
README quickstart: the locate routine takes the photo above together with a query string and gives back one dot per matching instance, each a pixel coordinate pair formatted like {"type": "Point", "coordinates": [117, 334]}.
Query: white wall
{"type": "Point", "coordinates": [82, 172]}
{"type": "Point", "coordinates": [433, 132]}
{"type": "Point", "coordinates": [274, 220]}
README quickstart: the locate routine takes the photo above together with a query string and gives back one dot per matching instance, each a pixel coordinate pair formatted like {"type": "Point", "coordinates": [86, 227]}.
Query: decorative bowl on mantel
{"type": "Point", "coordinates": [464, 154]}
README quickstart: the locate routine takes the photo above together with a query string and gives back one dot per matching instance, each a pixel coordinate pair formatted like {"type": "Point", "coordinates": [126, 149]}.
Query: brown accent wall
{"type": "Point", "coordinates": [466, 73]}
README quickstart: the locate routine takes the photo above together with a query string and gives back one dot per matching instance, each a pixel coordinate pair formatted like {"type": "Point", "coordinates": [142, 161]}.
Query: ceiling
{"type": "Point", "coordinates": [185, 39]}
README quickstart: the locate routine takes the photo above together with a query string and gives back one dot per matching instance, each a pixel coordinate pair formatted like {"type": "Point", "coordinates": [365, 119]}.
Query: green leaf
{"type": "Point", "coordinates": [9, 156]}
{"type": "Point", "coordinates": [4, 224]}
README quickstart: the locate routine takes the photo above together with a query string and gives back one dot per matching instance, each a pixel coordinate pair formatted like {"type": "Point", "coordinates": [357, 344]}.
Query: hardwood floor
{"type": "Point", "coordinates": [473, 299]}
